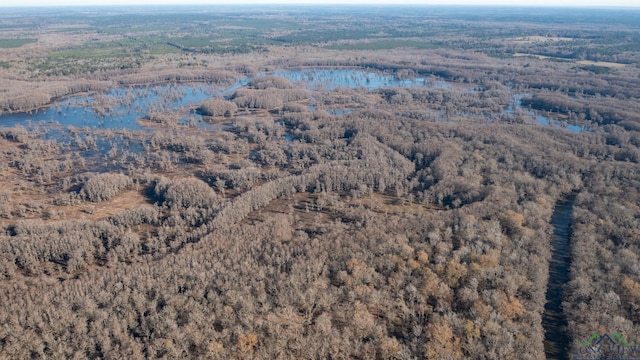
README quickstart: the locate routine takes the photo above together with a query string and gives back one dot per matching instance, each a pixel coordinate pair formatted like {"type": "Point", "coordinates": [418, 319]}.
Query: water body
{"type": "Point", "coordinates": [558, 124]}
{"type": "Point", "coordinates": [330, 79]}
{"type": "Point", "coordinates": [123, 106]}
{"type": "Point", "coordinates": [120, 108]}
{"type": "Point", "coordinates": [556, 341]}
{"type": "Point", "coordinates": [516, 105]}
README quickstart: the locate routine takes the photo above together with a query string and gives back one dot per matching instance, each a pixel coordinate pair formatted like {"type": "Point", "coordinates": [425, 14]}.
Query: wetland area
{"type": "Point", "coordinates": [327, 182]}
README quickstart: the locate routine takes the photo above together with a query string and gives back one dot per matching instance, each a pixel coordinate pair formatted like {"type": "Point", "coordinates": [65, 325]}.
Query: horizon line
{"type": "Point", "coordinates": [325, 4]}
{"type": "Point", "coordinates": [546, 6]}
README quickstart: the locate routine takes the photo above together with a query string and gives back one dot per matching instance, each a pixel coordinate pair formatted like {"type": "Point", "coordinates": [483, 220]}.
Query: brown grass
{"type": "Point", "coordinates": [123, 201]}
{"type": "Point", "coordinates": [581, 62]}
{"type": "Point", "coordinates": [601, 63]}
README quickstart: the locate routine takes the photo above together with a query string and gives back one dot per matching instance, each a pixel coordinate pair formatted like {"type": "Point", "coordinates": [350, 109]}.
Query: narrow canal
{"type": "Point", "coordinates": [556, 340]}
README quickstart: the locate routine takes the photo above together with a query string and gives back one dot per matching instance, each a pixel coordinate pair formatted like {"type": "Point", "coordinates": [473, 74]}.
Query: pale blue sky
{"type": "Point", "coordinates": [578, 3]}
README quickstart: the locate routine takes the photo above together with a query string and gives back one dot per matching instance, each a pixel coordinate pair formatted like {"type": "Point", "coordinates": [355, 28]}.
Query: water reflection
{"type": "Point", "coordinates": [118, 108]}
{"type": "Point", "coordinates": [330, 79]}
{"type": "Point", "coordinates": [121, 108]}
{"type": "Point", "coordinates": [515, 105]}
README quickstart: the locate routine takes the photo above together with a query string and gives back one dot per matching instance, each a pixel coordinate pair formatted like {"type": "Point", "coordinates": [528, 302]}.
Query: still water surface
{"type": "Point", "coordinates": [120, 108]}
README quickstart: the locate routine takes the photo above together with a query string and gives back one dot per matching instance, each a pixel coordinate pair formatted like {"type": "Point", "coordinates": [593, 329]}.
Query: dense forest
{"type": "Point", "coordinates": [384, 191]}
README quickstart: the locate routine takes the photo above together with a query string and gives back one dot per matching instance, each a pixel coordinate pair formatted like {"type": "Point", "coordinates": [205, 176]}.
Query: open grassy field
{"type": "Point", "coordinates": [14, 43]}
{"type": "Point", "coordinates": [606, 64]}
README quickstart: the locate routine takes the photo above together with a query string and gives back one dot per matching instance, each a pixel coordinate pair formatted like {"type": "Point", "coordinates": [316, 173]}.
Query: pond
{"type": "Point", "coordinates": [515, 105]}
{"type": "Point", "coordinates": [330, 79]}
{"type": "Point", "coordinates": [118, 108]}
{"type": "Point", "coordinates": [559, 124]}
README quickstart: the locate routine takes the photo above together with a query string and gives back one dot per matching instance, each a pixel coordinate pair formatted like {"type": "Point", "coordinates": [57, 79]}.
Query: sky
{"type": "Point", "coordinates": [571, 3]}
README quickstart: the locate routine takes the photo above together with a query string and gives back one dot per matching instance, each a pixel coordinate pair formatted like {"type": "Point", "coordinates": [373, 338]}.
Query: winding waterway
{"type": "Point", "coordinates": [554, 322]}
